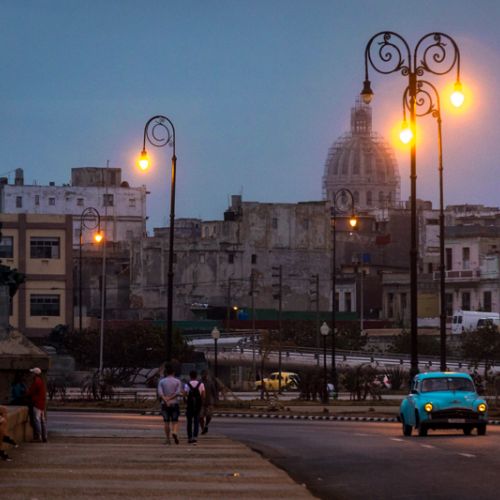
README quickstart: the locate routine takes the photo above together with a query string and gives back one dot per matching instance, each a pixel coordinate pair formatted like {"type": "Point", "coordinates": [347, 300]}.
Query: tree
{"type": "Point", "coordinates": [134, 345]}
{"type": "Point", "coordinates": [426, 345]}
{"type": "Point", "coordinates": [482, 346]}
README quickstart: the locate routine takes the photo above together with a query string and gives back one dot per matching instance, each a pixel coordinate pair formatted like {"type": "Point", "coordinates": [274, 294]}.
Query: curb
{"type": "Point", "coordinates": [275, 416]}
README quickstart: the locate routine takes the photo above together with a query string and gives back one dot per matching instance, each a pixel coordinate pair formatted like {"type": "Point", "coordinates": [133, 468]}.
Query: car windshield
{"type": "Point", "coordinates": [447, 384]}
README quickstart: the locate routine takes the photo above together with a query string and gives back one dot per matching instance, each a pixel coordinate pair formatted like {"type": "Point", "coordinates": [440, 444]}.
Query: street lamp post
{"type": "Point", "coordinates": [437, 53]}
{"type": "Point", "coordinates": [89, 219]}
{"type": "Point", "coordinates": [429, 103]}
{"type": "Point", "coordinates": [216, 336]}
{"type": "Point", "coordinates": [159, 131]}
{"type": "Point", "coordinates": [324, 330]}
{"type": "Point", "coordinates": [342, 203]}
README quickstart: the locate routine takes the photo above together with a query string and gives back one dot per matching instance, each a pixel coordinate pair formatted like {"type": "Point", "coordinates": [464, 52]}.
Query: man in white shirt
{"type": "Point", "coordinates": [169, 391]}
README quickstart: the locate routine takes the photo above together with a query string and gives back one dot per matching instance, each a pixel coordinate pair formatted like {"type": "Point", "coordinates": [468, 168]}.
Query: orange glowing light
{"type": "Point", "coordinates": [406, 134]}
{"type": "Point", "coordinates": [144, 160]}
{"type": "Point", "coordinates": [457, 98]}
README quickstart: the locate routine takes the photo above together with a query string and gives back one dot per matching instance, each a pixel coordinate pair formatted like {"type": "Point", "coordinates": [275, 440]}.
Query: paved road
{"type": "Point", "coordinates": [343, 460]}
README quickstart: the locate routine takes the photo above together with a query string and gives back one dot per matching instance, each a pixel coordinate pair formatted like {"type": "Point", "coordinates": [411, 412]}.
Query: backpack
{"type": "Point", "coordinates": [194, 398]}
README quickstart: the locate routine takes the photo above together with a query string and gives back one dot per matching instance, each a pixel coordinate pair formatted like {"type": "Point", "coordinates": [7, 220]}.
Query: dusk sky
{"type": "Point", "coordinates": [258, 91]}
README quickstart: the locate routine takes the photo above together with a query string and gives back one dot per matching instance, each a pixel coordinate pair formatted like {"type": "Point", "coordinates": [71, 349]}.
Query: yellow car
{"type": "Point", "coordinates": [289, 381]}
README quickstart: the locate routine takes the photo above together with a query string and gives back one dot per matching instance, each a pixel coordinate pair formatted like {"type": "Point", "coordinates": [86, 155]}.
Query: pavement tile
{"type": "Point", "coordinates": [81, 468]}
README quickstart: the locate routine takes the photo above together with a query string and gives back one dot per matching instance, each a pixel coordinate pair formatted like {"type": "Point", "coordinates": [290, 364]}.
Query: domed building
{"type": "Point", "coordinates": [363, 163]}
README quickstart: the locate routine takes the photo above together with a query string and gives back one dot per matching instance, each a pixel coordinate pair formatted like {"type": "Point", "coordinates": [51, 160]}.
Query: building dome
{"type": "Point", "coordinates": [363, 163]}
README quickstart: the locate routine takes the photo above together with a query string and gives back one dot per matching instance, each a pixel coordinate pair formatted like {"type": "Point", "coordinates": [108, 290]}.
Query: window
{"type": "Point", "coordinates": [52, 202]}
{"type": "Point", "coordinates": [449, 304]}
{"type": "Point", "coordinates": [44, 248]}
{"type": "Point", "coordinates": [254, 258]}
{"type": "Point", "coordinates": [19, 202]}
{"type": "Point", "coordinates": [107, 200]}
{"type": "Point", "coordinates": [465, 258]}
{"type": "Point", "coordinates": [430, 268]}
{"type": "Point", "coordinates": [6, 247]}
{"type": "Point", "coordinates": [44, 305]}
{"type": "Point", "coordinates": [348, 302]}
{"type": "Point", "coordinates": [404, 302]}
{"type": "Point", "coordinates": [202, 258]}
{"type": "Point", "coordinates": [230, 258]}
{"type": "Point", "coordinates": [131, 202]}
{"type": "Point", "coordinates": [487, 301]}
{"type": "Point", "coordinates": [37, 199]}
{"type": "Point", "coordinates": [337, 300]}
{"type": "Point", "coordinates": [390, 305]}
{"type": "Point", "coordinates": [306, 224]}
{"type": "Point", "coordinates": [466, 301]}
{"type": "Point", "coordinates": [275, 223]}
{"type": "Point", "coordinates": [449, 259]}
{"type": "Point", "coordinates": [129, 234]}
{"type": "Point", "coordinates": [79, 202]}
{"type": "Point", "coordinates": [369, 198]}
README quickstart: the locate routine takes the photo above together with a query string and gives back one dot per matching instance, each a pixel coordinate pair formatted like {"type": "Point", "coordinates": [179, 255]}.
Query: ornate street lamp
{"type": "Point", "coordinates": [428, 103]}
{"type": "Point", "coordinates": [89, 219]}
{"type": "Point", "coordinates": [159, 131]}
{"type": "Point", "coordinates": [437, 53]}
{"type": "Point", "coordinates": [324, 330]}
{"type": "Point", "coordinates": [216, 336]}
{"type": "Point", "coordinates": [342, 204]}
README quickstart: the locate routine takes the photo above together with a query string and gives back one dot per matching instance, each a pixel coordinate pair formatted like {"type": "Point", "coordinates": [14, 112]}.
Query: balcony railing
{"type": "Point", "coordinates": [464, 275]}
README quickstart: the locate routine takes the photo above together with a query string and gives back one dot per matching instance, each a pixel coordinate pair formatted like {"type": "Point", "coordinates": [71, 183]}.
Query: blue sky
{"type": "Point", "coordinates": [258, 90]}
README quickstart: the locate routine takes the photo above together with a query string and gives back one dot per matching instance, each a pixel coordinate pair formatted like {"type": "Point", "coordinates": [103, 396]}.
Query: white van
{"type": "Point", "coordinates": [467, 321]}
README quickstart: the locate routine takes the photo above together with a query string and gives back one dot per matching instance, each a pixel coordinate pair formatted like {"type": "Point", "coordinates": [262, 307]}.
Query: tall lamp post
{"type": "Point", "coordinates": [89, 219]}
{"type": "Point", "coordinates": [324, 330]}
{"type": "Point", "coordinates": [159, 131]}
{"type": "Point", "coordinates": [342, 203]}
{"type": "Point", "coordinates": [437, 53]}
{"type": "Point", "coordinates": [216, 336]}
{"type": "Point", "coordinates": [428, 103]}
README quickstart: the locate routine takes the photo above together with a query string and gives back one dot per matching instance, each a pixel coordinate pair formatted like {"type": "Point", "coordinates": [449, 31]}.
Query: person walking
{"type": "Point", "coordinates": [169, 391]}
{"type": "Point", "coordinates": [194, 391]}
{"type": "Point", "coordinates": [208, 401]}
{"type": "Point", "coordinates": [38, 394]}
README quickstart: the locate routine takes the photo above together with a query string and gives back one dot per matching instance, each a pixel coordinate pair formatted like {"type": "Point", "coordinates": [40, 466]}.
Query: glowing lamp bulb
{"type": "Point", "coordinates": [144, 160]}
{"type": "Point", "coordinates": [406, 135]}
{"type": "Point", "coordinates": [457, 97]}
{"type": "Point", "coordinates": [98, 237]}
{"type": "Point", "coordinates": [353, 222]}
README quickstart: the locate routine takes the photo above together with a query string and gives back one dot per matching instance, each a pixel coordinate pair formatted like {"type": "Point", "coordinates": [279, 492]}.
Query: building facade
{"type": "Point", "coordinates": [40, 247]}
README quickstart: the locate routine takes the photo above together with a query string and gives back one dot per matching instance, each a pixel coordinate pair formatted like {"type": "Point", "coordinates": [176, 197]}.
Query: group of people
{"type": "Point", "coordinates": [200, 397]}
{"type": "Point", "coordinates": [34, 397]}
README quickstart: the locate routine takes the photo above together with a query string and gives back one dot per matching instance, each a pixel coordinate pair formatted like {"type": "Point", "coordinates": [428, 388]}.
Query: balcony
{"type": "Point", "coordinates": [464, 275]}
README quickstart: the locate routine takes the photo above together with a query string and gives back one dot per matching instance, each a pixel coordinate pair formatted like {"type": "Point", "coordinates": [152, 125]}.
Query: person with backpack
{"type": "Point", "coordinates": [194, 391]}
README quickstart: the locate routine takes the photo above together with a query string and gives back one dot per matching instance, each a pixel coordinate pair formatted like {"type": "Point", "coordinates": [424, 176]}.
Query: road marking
{"type": "Point", "coordinates": [361, 434]}
{"type": "Point", "coordinates": [467, 455]}
{"type": "Point", "coordinates": [397, 439]}
{"type": "Point", "coordinates": [427, 446]}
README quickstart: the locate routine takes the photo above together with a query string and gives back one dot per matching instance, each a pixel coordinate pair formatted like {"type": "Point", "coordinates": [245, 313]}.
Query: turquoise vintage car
{"type": "Point", "coordinates": [443, 400]}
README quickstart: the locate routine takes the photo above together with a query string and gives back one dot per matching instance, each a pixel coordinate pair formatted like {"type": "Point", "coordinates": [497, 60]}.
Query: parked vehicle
{"type": "Point", "coordinates": [289, 381]}
{"type": "Point", "coordinates": [467, 321]}
{"type": "Point", "coordinates": [443, 400]}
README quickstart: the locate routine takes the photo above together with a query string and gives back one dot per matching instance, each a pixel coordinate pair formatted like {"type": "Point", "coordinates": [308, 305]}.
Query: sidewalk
{"type": "Point", "coordinates": [117, 468]}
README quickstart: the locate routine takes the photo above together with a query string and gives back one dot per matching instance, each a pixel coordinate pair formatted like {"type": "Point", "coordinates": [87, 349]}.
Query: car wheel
{"type": "Point", "coordinates": [467, 430]}
{"type": "Point", "coordinates": [406, 428]}
{"type": "Point", "coordinates": [422, 430]}
{"type": "Point", "coordinates": [481, 430]}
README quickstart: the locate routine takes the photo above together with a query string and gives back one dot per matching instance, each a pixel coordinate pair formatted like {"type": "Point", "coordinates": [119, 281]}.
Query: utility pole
{"type": "Point", "coordinates": [228, 304]}
{"type": "Point", "coordinates": [278, 273]}
{"type": "Point", "coordinates": [252, 295]}
{"type": "Point", "coordinates": [315, 298]}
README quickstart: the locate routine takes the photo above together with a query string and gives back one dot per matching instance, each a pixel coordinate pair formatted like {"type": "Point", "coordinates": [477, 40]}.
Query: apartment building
{"type": "Point", "coordinates": [39, 246]}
